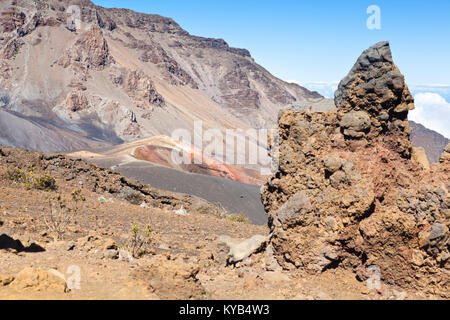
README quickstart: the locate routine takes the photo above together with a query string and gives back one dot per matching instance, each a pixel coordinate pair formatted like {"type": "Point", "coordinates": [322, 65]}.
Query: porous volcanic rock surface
{"type": "Point", "coordinates": [347, 194]}
{"type": "Point", "coordinates": [373, 99]}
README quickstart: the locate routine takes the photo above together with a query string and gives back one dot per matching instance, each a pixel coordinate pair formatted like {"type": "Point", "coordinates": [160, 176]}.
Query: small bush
{"type": "Point", "coordinates": [45, 182]}
{"type": "Point", "coordinates": [62, 211]}
{"type": "Point", "coordinates": [77, 195]}
{"type": "Point", "coordinates": [135, 198]}
{"type": "Point", "coordinates": [140, 240]}
{"type": "Point", "coordinates": [30, 180]}
{"type": "Point", "coordinates": [238, 217]}
{"type": "Point", "coordinates": [15, 174]}
{"type": "Point", "coordinates": [217, 210]}
{"type": "Point", "coordinates": [131, 195]}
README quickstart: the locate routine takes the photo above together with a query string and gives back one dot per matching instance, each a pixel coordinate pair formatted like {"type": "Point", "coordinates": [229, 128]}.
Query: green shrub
{"type": "Point", "coordinates": [15, 174]}
{"type": "Point", "coordinates": [238, 217]}
{"type": "Point", "coordinates": [62, 211]}
{"type": "Point", "coordinates": [30, 180]}
{"type": "Point", "coordinates": [77, 195]}
{"type": "Point", "coordinates": [140, 240]}
{"type": "Point", "coordinates": [45, 182]}
{"type": "Point", "coordinates": [135, 198]}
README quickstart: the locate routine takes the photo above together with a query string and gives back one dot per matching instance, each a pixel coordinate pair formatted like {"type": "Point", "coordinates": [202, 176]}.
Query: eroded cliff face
{"type": "Point", "coordinates": [347, 193]}
{"type": "Point", "coordinates": [90, 51]}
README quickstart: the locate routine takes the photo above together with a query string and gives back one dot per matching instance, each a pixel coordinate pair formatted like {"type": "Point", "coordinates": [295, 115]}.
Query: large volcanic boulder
{"type": "Point", "coordinates": [347, 195]}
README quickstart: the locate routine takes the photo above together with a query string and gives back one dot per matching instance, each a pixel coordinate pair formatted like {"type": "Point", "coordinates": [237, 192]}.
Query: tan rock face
{"type": "Point", "coordinates": [5, 69]}
{"type": "Point", "coordinates": [345, 195]}
{"type": "Point", "coordinates": [11, 48]}
{"type": "Point", "coordinates": [138, 86]}
{"type": "Point", "coordinates": [11, 20]}
{"type": "Point", "coordinates": [154, 53]}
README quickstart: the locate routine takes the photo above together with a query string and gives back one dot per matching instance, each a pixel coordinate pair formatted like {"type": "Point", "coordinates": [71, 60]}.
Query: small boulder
{"type": "Point", "coordinates": [445, 157]}
{"type": "Point", "coordinates": [238, 250]}
{"type": "Point", "coordinates": [39, 280]}
{"type": "Point", "coordinates": [355, 123]}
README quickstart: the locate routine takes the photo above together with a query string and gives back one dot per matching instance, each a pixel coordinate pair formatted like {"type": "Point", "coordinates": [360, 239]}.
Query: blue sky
{"type": "Point", "coordinates": [319, 41]}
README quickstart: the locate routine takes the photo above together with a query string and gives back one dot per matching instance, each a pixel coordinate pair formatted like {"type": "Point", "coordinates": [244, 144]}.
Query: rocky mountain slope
{"type": "Point", "coordinates": [158, 150]}
{"type": "Point", "coordinates": [99, 180]}
{"type": "Point", "coordinates": [116, 75]}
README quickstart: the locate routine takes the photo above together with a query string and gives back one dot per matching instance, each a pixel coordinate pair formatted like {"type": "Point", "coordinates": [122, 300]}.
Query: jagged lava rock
{"type": "Point", "coordinates": [348, 195]}
{"type": "Point", "coordinates": [373, 99]}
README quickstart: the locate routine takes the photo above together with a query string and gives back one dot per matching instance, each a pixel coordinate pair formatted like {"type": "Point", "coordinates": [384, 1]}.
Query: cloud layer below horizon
{"type": "Point", "coordinates": [432, 111]}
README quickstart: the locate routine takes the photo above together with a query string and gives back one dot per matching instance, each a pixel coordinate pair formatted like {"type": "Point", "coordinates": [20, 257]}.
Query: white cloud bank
{"type": "Point", "coordinates": [432, 111]}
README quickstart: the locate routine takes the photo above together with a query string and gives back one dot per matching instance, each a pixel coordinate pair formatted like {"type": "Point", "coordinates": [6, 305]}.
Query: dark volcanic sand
{"type": "Point", "coordinates": [236, 197]}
